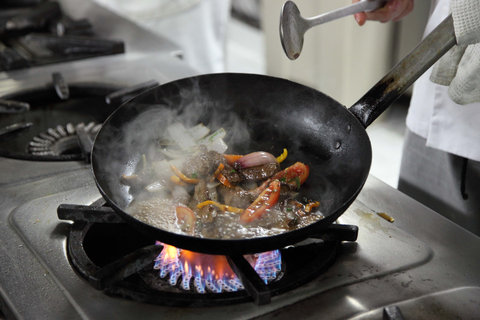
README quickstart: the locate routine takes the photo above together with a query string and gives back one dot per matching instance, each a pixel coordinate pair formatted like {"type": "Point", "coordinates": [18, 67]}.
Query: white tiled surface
{"type": "Point", "coordinates": [246, 53]}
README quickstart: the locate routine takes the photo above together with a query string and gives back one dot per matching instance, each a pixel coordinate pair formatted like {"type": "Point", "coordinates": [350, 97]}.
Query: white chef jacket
{"type": "Point", "coordinates": [199, 27]}
{"type": "Point", "coordinates": [432, 115]}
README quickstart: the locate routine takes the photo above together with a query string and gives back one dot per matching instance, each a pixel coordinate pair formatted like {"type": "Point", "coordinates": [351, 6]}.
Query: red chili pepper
{"type": "Point", "coordinates": [267, 199]}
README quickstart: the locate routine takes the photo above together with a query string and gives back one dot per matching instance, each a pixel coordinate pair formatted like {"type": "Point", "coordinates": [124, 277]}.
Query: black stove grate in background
{"type": "Point", "coordinates": [54, 113]}
{"type": "Point", "coordinates": [39, 33]}
{"type": "Point", "coordinates": [115, 257]}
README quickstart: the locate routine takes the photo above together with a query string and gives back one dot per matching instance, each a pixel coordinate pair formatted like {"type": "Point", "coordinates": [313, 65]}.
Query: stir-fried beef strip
{"type": "Point", "coordinates": [198, 165]}
{"type": "Point", "coordinates": [236, 197]}
{"type": "Point", "coordinates": [205, 163]}
{"type": "Point", "coordinates": [229, 172]}
{"type": "Point", "coordinates": [260, 172]}
{"type": "Point", "coordinates": [203, 193]}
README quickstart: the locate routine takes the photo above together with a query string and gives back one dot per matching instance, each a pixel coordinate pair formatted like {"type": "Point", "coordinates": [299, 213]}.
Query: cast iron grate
{"type": "Point", "coordinates": [116, 258]}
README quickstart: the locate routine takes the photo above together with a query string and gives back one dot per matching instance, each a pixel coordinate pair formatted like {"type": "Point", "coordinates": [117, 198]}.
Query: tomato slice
{"type": "Point", "coordinates": [295, 175]}
{"type": "Point", "coordinates": [186, 218]}
{"type": "Point", "coordinates": [267, 199]}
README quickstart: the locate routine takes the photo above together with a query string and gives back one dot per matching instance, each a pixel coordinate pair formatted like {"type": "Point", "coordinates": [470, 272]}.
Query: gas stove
{"type": "Point", "coordinates": [421, 264]}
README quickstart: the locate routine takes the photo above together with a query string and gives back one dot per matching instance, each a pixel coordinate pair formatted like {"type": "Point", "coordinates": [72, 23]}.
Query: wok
{"type": "Point", "coordinates": [277, 113]}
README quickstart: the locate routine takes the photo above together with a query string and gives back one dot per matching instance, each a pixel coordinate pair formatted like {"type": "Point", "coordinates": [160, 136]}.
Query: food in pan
{"type": "Point", "coordinates": [192, 187]}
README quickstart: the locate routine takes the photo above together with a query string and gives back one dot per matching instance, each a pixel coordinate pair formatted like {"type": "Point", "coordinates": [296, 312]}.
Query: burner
{"type": "Point", "coordinates": [43, 123]}
{"type": "Point", "coordinates": [201, 273]}
{"type": "Point", "coordinates": [60, 141]}
{"type": "Point", "coordinates": [120, 260]}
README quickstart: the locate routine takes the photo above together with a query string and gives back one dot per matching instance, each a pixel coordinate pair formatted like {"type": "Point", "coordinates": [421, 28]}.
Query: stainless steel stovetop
{"type": "Point", "coordinates": [422, 263]}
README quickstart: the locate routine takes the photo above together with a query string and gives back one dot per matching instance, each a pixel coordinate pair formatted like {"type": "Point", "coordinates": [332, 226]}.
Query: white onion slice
{"type": "Point", "coordinates": [199, 131]}
{"type": "Point", "coordinates": [219, 134]}
{"type": "Point", "coordinates": [256, 159]}
{"type": "Point", "coordinates": [180, 135]}
{"type": "Point", "coordinates": [218, 145]}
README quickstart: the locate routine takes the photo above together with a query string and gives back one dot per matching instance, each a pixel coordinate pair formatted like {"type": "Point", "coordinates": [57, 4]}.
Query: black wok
{"type": "Point", "coordinates": [278, 114]}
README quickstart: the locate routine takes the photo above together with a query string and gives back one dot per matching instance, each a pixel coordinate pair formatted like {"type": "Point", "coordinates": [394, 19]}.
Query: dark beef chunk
{"type": "Point", "coordinates": [198, 165]}
{"type": "Point", "coordinates": [236, 197]}
{"type": "Point", "coordinates": [260, 172]}
{"type": "Point", "coordinates": [216, 158]}
{"type": "Point", "coordinates": [206, 163]}
{"type": "Point", "coordinates": [232, 175]}
{"type": "Point", "coordinates": [207, 213]}
{"type": "Point", "coordinates": [201, 192]}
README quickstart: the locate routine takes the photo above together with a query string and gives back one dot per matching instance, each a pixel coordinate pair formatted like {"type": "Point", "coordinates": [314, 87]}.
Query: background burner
{"type": "Point", "coordinates": [61, 140]}
{"type": "Point", "coordinates": [48, 120]}
{"type": "Point", "coordinates": [48, 112]}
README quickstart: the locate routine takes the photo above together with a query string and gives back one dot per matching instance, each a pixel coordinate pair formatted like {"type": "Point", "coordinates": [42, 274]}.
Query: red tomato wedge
{"type": "Point", "coordinates": [267, 199]}
{"type": "Point", "coordinates": [294, 175]}
{"type": "Point", "coordinates": [186, 218]}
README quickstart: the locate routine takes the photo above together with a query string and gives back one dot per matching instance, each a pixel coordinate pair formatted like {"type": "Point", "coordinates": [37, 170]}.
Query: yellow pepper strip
{"type": "Point", "coordinates": [385, 216]}
{"type": "Point", "coordinates": [221, 206]}
{"type": "Point", "coordinates": [178, 181]}
{"type": "Point", "coordinates": [309, 206]}
{"type": "Point", "coordinates": [215, 174]}
{"type": "Point", "coordinates": [282, 157]}
{"type": "Point", "coordinates": [184, 177]}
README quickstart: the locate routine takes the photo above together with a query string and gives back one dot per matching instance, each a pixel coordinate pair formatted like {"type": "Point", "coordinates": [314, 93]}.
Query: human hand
{"type": "Point", "coordinates": [466, 21]}
{"type": "Point", "coordinates": [393, 10]}
{"type": "Point", "coordinates": [459, 68]}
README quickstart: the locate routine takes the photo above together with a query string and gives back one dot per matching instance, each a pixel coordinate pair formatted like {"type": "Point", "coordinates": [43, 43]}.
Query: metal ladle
{"type": "Point", "coordinates": [293, 26]}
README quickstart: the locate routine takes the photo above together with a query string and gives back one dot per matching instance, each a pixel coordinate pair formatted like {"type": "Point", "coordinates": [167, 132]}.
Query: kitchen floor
{"type": "Point", "coordinates": [245, 53]}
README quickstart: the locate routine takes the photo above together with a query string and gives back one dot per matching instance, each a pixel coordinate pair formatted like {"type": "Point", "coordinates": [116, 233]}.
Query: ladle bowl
{"type": "Point", "coordinates": [293, 26]}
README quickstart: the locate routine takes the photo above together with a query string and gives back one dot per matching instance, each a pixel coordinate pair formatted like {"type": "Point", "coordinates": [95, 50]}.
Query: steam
{"type": "Point", "coordinates": [119, 151]}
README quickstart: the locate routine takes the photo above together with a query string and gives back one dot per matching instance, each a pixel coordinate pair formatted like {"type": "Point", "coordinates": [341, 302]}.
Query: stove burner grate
{"type": "Point", "coordinates": [119, 260]}
{"type": "Point", "coordinates": [38, 124]}
{"type": "Point", "coordinates": [60, 140]}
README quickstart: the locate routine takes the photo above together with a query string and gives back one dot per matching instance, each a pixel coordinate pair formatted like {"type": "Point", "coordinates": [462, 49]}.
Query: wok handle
{"type": "Point", "coordinates": [405, 73]}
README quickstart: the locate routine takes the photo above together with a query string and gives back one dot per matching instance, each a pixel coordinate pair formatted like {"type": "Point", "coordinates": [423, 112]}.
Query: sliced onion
{"type": "Point", "coordinates": [256, 159]}
{"type": "Point", "coordinates": [213, 184]}
{"type": "Point", "coordinates": [180, 135]}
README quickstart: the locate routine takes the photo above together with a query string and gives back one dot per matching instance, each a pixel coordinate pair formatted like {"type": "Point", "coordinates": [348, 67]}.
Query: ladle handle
{"type": "Point", "coordinates": [366, 5]}
{"type": "Point", "coordinates": [405, 73]}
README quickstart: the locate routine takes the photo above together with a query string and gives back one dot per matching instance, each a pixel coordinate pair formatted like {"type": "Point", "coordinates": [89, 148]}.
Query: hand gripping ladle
{"type": "Point", "coordinates": [293, 26]}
